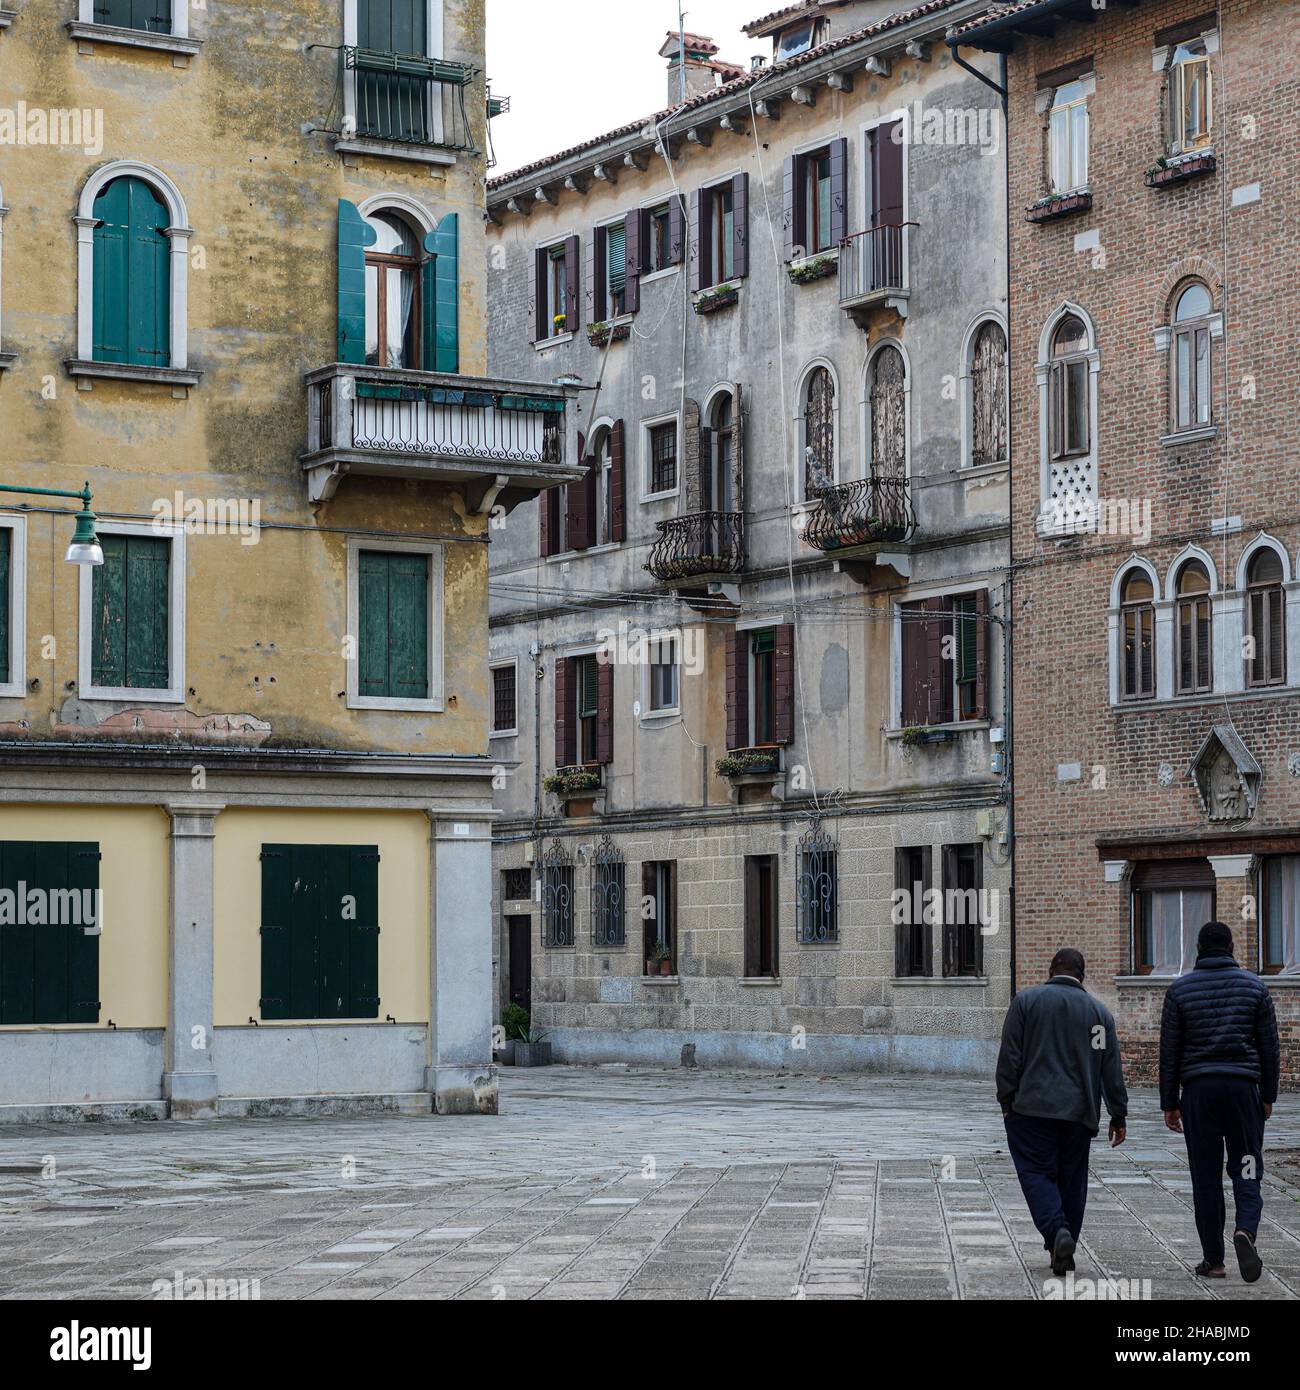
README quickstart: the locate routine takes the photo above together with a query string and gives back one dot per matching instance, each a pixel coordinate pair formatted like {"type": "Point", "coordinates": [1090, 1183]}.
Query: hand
{"type": "Point", "coordinates": [1174, 1120]}
{"type": "Point", "coordinates": [1117, 1133]}
{"type": "Point", "coordinates": [1006, 1112]}
{"type": "Point", "coordinates": [1268, 1111]}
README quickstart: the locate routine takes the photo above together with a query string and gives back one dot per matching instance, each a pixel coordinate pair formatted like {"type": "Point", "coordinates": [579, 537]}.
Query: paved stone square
{"type": "Point", "coordinates": [611, 1183]}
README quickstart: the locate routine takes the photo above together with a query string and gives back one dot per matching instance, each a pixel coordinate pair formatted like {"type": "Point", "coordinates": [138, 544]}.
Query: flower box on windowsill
{"type": "Point", "coordinates": [917, 735]}
{"type": "Point", "coordinates": [743, 762]}
{"type": "Point", "coordinates": [574, 781]}
{"type": "Point", "coordinates": [812, 268]}
{"type": "Point", "coordinates": [711, 300]}
{"type": "Point", "coordinates": [598, 334]}
{"type": "Point", "coordinates": [1059, 205]}
{"type": "Point", "coordinates": [1181, 168]}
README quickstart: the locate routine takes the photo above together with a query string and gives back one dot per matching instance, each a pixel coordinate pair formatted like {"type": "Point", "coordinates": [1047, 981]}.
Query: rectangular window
{"type": "Point", "coordinates": [320, 931]}
{"type": "Point", "coordinates": [762, 685]}
{"type": "Point", "coordinates": [587, 671]}
{"type": "Point", "coordinates": [722, 223]}
{"type": "Point", "coordinates": [817, 892]}
{"type": "Point", "coordinates": [659, 932]}
{"type": "Point", "coordinates": [1268, 633]}
{"type": "Point", "coordinates": [612, 247]}
{"type": "Point", "coordinates": [816, 196]}
{"type": "Point", "coordinates": [1191, 98]}
{"type": "Point", "coordinates": [1069, 406]}
{"type": "Point", "coordinates": [1192, 387]}
{"type": "Point", "coordinates": [1139, 651]}
{"type": "Point", "coordinates": [130, 617]}
{"type": "Point", "coordinates": [944, 663]}
{"type": "Point", "coordinates": [6, 602]}
{"type": "Point", "coordinates": [1195, 676]}
{"type": "Point", "coordinates": [762, 960]}
{"type": "Point", "coordinates": [1171, 901]}
{"type": "Point", "coordinates": [608, 898]}
{"type": "Point", "coordinates": [911, 914]}
{"type": "Point", "coordinates": [517, 884]}
{"type": "Point", "coordinates": [660, 255]}
{"type": "Point", "coordinates": [1279, 935]}
{"type": "Point", "coordinates": [663, 675]}
{"type": "Point", "coordinates": [555, 318]}
{"type": "Point", "coordinates": [49, 932]}
{"type": "Point", "coordinates": [1068, 133]}
{"type": "Point", "coordinates": [663, 457]}
{"type": "Point", "coordinates": [964, 662]}
{"type": "Point", "coordinates": [963, 911]}
{"type": "Point", "coordinates": [557, 905]}
{"type": "Point", "coordinates": [504, 713]}
{"type": "Point", "coordinates": [395, 603]}
{"type": "Point", "coordinates": [153, 16]}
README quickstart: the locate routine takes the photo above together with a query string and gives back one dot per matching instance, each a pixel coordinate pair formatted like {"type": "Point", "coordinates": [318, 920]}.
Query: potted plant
{"type": "Point", "coordinates": [559, 322]}
{"type": "Point", "coordinates": [1059, 205]}
{"type": "Point", "coordinates": [663, 959]}
{"type": "Point", "coordinates": [571, 781]}
{"type": "Point", "coordinates": [532, 1050]}
{"type": "Point", "coordinates": [1179, 168]}
{"type": "Point", "coordinates": [744, 761]}
{"type": "Point", "coordinates": [717, 298]}
{"type": "Point", "coordinates": [514, 1021]}
{"type": "Point", "coordinates": [816, 268]}
{"type": "Point", "coordinates": [598, 334]}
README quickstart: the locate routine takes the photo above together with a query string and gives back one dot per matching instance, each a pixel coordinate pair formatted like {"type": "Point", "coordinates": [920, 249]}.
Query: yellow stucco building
{"type": "Point", "coordinates": [241, 297]}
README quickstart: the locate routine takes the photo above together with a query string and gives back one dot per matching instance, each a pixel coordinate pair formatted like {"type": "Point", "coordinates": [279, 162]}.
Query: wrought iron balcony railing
{"type": "Point", "coordinates": [871, 511]}
{"type": "Point", "coordinates": [873, 264]}
{"type": "Point", "coordinates": [408, 99]}
{"type": "Point", "coordinates": [700, 544]}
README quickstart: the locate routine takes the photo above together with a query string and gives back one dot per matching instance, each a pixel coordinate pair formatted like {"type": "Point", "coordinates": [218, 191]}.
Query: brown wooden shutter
{"type": "Point", "coordinates": [737, 689]}
{"type": "Point", "coordinates": [575, 506]}
{"type": "Point", "coordinates": [914, 709]}
{"type": "Point", "coordinates": [676, 231]}
{"type": "Point", "coordinates": [738, 449]}
{"type": "Point", "coordinates": [753, 917]}
{"type": "Point", "coordinates": [740, 225]}
{"type": "Point", "coordinates": [938, 669]}
{"type": "Point", "coordinates": [783, 661]}
{"type": "Point", "coordinates": [535, 282]}
{"type": "Point", "coordinates": [544, 523]}
{"type": "Point", "coordinates": [634, 237]}
{"type": "Point", "coordinates": [790, 218]}
{"type": "Point", "coordinates": [595, 277]}
{"type": "Point", "coordinates": [707, 502]}
{"type": "Point", "coordinates": [604, 711]}
{"type": "Point", "coordinates": [566, 732]}
{"type": "Point", "coordinates": [618, 481]}
{"type": "Point", "coordinates": [699, 252]}
{"type": "Point", "coordinates": [671, 914]}
{"type": "Point", "coordinates": [886, 175]}
{"type": "Point", "coordinates": [571, 271]}
{"type": "Point", "coordinates": [982, 630]}
{"type": "Point", "coordinates": [591, 502]}
{"type": "Point", "coordinates": [839, 190]}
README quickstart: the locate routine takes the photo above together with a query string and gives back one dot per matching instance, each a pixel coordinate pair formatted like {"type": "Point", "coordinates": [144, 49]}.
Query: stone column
{"type": "Point", "coordinates": [460, 1076]}
{"type": "Point", "coordinates": [190, 1072]}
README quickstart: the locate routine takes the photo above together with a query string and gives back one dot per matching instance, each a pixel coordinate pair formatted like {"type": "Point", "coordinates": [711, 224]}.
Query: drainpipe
{"type": "Point", "coordinates": [975, 72]}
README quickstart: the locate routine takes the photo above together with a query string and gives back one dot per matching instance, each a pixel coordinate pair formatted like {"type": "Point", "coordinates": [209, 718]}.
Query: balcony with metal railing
{"type": "Point", "coordinates": [856, 521]}
{"type": "Point", "coordinates": [505, 440]}
{"type": "Point", "coordinates": [874, 271]}
{"type": "Point", "coordinates": [692, 550]}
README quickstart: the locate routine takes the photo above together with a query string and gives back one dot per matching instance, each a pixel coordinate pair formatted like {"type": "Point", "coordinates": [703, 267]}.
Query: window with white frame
{"type": "Point", "coordinates": [660, 443]}
{"type": "Point", "coordinates": [1279, 914]}
{"type": "Point", "coordinates": [603, 462]}
{"type": "Point", "coordinates": [1193, 631]}
{"type": "Point", "coordinates": [13, 605]}
{"type": "Point", "coordinates": [131, 624]}
{"type": "Point", "coordinates": [1069, 390]}
{"type": "Point", "coordinates": [1068, 137]}
{"type": "Point", "coordinates": [395, 625]}
{"type": "Point", "coordinates": [1137, 636]}
{"type": "Point", "coordinates": [1265, 619]}
{"type": "Point", "coordinates": [505, 698]}
{"type": "Point", "coordinates": [663, 675]}
{"type": "Point", "coordinates": [152, 18]}
{"type": "Point", "coordinates": [1191, 98]}
{"type": "Point", "coordinates": [1067, 366]}
{"type": "Point", "coordinates": [1191, 379]}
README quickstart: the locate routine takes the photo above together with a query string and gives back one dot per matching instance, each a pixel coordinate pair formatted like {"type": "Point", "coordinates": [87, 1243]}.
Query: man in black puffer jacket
{"type": "Point", "coordinates": [1219, 1047]}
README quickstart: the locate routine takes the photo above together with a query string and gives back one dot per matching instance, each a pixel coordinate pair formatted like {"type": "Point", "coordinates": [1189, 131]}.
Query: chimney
{"type": "Point", "coordinates": [701, 70]}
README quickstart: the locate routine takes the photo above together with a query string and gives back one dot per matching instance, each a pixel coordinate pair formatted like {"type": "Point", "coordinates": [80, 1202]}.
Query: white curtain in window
{"type": "Point", "coordinates": [1284, 911]}
{"type": "Point", "coordinates": [1177, 917]}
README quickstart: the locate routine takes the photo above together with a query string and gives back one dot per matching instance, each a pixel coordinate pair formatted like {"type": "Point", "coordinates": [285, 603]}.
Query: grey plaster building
{"type": "Point", "coordinates": [748, 675]}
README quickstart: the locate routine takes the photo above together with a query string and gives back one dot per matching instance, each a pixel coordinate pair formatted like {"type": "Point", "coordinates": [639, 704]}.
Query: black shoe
{"type": "Point", "coordinates": [1248, 1260]}
{"type": "Point", "coordinates": [1206, 1270]}
{"type": "Point", "coordinates": [1063, 1252]}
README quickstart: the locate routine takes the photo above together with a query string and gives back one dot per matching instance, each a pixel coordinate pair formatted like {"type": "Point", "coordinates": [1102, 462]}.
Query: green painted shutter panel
{"type": "Point", "coordinates": [132, 257]}
{"type": "Point", "coordinates": [306, 908]}
{"type": "Point", "coordinates": [334, 989]}
{"type": "Point", "coordinates": [392, 105]}
{"type": "Point", "coordinates": [372, 639]}
{"type": "Point", "coordinates": [276, 931]}
{"type": "Point", "coordinates": [111, 276]}
{"type": "Point", "coordinates": [83, 946]}
{"type": "Point", "coordinates": [355, 234]}
{"type": "Point", "coordinates": [49, 943]}
{"type": "Point", "coordinates": [443, 244]}
{"type": "Point", "coordinates": [17, 940]}
{"type": "Point", "coordinates": [408, 626]}
{"type": "Point", "coordinates": [108, 615]}
{"type": "Point", "coordinates": [363, 868]}
{"type": "Point", "coordinates": [6, 598]}
{"type": "Point", "coordinates": [148, 561]}
{"type": "Point", "coordinates": [154, 16]}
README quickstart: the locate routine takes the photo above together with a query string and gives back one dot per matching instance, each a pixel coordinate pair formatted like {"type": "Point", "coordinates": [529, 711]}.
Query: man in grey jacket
{"type": "Point", "coordinates": [1059, 1059]}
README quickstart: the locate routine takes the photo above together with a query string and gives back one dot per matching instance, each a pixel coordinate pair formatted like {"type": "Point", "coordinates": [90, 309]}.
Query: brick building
{"type": "Point", "coordinates": [1156, 614]}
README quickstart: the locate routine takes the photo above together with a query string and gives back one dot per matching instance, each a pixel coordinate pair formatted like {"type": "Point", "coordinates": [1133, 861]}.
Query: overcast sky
{"type": "Point", "coordinates": [577, 68]}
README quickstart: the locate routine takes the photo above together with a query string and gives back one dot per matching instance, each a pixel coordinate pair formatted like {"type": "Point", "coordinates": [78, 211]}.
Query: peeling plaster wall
{"type": "Point", "coordinates": [266, 622]}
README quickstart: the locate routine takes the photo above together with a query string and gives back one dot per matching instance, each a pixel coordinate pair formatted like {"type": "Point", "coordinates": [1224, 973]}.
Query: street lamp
{"type": "Point", "coordinates": [85, 548]}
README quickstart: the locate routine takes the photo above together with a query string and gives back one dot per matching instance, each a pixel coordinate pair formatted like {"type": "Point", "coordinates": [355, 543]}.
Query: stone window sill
{"type": "Point", "coordinates": [132, 38]}
{"type": "Point", "coordinates": [940, 981]}
{"type": "Point", "coordinates": [7, 359]}
{"type": "Point", "coordinates": [1208, 697]}
{"type": "Point", "coordinates": [661, 981]}
{"type": "Point", "coordinates": [1174, 441]}
{"type": "Point", "coordinates": [7, 17]}
{"type": "Point", "coordinates": [761, 982]}
{"type": "Point", "coordinates": [121, 371]}
{"type": "Point", "coordinates": [558, 340]}
{"type": "Point", "coordinates": [394, 149]}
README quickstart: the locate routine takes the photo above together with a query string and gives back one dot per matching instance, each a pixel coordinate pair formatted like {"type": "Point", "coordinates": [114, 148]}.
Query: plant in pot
{"type": "Point", "coordinates": [663, 959]}
{"type": "Point", "coordinates": [532, 1050]}
{"type": "Point", "coordinates": [559, 322]}
{"type": "Point", "coordinates": [514, 1022]}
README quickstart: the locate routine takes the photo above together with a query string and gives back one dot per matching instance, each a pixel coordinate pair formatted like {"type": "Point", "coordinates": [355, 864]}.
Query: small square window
{"type": "Point", "coordinates": [663, 675]}
{"type": "Point", "coordinates": [663, 457]}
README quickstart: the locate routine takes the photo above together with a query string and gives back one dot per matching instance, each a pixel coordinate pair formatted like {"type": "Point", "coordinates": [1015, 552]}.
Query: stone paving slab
{"type": "Point", "coordinates": [610, 1183]}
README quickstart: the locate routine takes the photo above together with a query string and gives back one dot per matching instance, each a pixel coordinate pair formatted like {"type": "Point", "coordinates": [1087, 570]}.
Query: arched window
{"type": "Point", "coordinates": [1137, 629]}
{"type": "Point", "coordinates": [819, 432]}
{"type": "Point", "coordinates": [393, 293]}
{"type": "Point", "coordinates": [719, 486]}
{"type": "Point", "coordinates": [887, 399]}
{"type": "Point", "coordinates": [1189, 365]}
{"type": "Point", "coordinates": [1266, 619]}
{"type": "Point", "coordinates": [602, 455]}
{"type": "Point", "coordinates": [1193, 660]}
{"type": "Point", "coordinates": [1069, 385]}
{"type": "Point", "coordinates": [988, 395]}
{"type": "Point", "coordinates": [132, 305]}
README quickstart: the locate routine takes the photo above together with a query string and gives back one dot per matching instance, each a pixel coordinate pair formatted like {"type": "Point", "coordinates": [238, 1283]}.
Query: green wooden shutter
{"type": "Point", "coordinates": [372, 614]}
{"type": "Point", "coordinates": [277, 926]}
{"type": "Point", "coordinates": [393, 643]}
{"type": "Point", "coordinates": [355, 234]}
{"type": "Point", "coordinates": [153, 16]}
{"type": "Point", "coordinates": [334, 987]}
{"type": "Point", "coordinates": [442, 297]}
{"type": "Point", "coordinates": [108, 615]}
{"type": "Point", "coordinates": [83, 946]}
{"type": "Point", "coordinates": [363, 869]}
{"type": "Point", "coordinates": [6, 599]}
{"type": "Point", "coordinates": [132, 260]}
{"type": "Point", "coordinates": [17, 939]}
{"type": "Point", "coordinates": [111, 276]}
{"type": "Point", "coordinates": [148, 565]}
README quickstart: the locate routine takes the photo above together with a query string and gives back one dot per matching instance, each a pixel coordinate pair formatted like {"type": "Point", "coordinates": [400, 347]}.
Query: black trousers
{"type": "Point", "coordinates": [1051, 1158]}
{"type": "Point", "coordinates": [1223, 1113]}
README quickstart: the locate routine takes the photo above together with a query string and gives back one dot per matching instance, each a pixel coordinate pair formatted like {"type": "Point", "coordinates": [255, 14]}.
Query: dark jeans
{"type": "Point", "coordinates": [1051, 1158]}
{"type": "Point", "coordinates": [1223, 1112]}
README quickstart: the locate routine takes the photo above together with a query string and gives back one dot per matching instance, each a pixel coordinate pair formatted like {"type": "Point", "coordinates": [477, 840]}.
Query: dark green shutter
{"type": "Point", "coordinates": [6, 599]}
{"type": "Point", "coordinates": [393, 642]}
{"type": "Point", "coordinates": [588, 688]}
{"type": "Point", "coordinates": [320, 931]}
{"type": "Point", "coordinates": [49, 971]}
{"type": "Point", "coordinates": [441, 292]}
{"type": "Point", "coordinates": [355, 234]}
{"type": "Point", "coordinates": [153, 16]}
{"type": "Point", "coordinates": [132, 256]}
{"type": "Point", "coordinates": [130, 620]}
{"type": "Point", "coordinates": [964, 611]}
{"type": "Point", "coordinates": [391, 105]}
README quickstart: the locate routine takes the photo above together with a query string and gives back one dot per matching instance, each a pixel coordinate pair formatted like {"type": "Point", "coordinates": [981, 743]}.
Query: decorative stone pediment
{"type": "Point", "coordinates": [1226, 776]}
